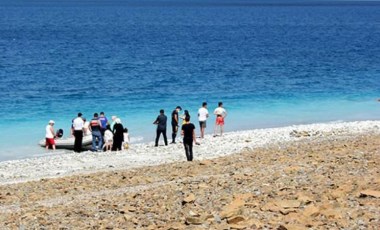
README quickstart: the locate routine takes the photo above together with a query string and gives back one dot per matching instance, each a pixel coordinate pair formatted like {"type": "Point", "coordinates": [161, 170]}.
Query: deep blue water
{"type": "Point", "coordinates": [271, 65]}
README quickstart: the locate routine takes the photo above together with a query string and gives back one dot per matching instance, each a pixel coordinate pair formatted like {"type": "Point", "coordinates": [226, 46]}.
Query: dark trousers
{"type": "Point", "coordinates": [78, 134]}
{"type": "Point", "coordinates": [158, 134]}
{"type": "Point", "coordinates": [188, 149]}
{"type": "Point", "coordinates": [174, 132]}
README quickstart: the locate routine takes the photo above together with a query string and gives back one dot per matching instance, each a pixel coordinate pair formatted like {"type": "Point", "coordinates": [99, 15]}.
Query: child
{"type": "Point", "coordinates": [108, 139]}
{"type": "Point", "coordinates": [126, 139]}
{"type": "Point", "coordinates": [59, 134]}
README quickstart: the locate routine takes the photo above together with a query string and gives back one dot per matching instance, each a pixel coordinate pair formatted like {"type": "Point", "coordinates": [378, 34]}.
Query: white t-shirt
{"type": "Point", "coordinates": [108, 136]}
{"type": "Point", "coordinates": [220, 111]}
{"type": "Point", "coordinates": [49, 133]}
{"type": "Point", "coordinates": [78, 123]}
{"type": "Point", "coordinates": [202, 114]}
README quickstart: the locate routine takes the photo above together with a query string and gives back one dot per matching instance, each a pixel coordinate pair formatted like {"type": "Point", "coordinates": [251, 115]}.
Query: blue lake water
{"type": "Point", "coordinates": [271, 65]}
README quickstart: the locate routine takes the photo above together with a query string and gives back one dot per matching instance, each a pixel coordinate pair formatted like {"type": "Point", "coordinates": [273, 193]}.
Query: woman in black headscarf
{"type": "Point", "coordinates": [118, 135]}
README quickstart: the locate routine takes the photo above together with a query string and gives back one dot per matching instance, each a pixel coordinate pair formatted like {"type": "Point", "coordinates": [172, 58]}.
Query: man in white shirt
{"type": "Point", "coordinates": [220, 114]}
{"type": "Point", "coordinates": [202, 117]}
{"type": "Point", "coordinates": [78, 125]}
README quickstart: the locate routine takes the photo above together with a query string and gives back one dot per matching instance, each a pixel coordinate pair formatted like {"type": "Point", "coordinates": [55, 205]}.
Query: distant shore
{"type": "Point", "coordinates": [321, 176]}
{"type": "Point", "coordinates": [59, 164]}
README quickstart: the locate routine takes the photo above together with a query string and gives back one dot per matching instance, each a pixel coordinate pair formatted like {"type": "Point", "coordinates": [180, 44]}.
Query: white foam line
{"type": "Point", "coordinates": [58, 165]}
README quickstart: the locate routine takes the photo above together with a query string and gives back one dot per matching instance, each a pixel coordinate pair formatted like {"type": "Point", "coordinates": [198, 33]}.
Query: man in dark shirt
{"type": "Point", "coordinates": [161, 127]}
{"type": "Point", "coordinates": [97, 138]}
{"type": "Point", "coordinates": [175, 123]}
{"type": "Point", "coordinates": [188, 134]}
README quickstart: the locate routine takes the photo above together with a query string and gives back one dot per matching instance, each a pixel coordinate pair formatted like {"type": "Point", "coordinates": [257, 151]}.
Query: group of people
{"type": "Point", "coordinates": [111, 135]}
{"type": "Point", "coordinates": [105, 135]}
{"type": "Point", "coordinates": [188, 128]}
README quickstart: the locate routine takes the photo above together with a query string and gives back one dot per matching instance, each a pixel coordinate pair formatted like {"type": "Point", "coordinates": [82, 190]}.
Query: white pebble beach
{"type": "Point", "coordinates": [65, 163]}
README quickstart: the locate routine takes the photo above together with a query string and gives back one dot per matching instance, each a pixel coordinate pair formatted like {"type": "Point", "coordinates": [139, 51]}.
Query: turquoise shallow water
{"type": "Point", "coordinates": [271, 65]}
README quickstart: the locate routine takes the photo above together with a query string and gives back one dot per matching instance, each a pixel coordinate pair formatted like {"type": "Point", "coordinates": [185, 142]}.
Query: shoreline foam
{"type": "Point", "coordinates": [60, 165]}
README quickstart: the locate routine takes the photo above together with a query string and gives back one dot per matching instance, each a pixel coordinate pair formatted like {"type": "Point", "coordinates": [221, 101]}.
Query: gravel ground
{"type": "Point", "coordinates": [316, 181]}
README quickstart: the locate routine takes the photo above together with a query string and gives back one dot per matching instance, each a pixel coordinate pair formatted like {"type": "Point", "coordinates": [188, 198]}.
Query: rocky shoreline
{"type": "Point", "coordinates": [311, 182]}
{"type": "Point", "coordinates": [59, 164]}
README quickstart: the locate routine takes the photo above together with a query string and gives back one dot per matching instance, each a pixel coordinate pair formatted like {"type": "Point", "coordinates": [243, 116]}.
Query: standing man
{"type": "Point", "coordinates": [175, 123]}
{"type": "Point", "coordinates": [95, 127]}
{"type": "Point", "coordinates": [49, 136]}
{"type": "Point", "coordinates": [161, 127]}
{"type": "Point", "coordinates": [188, 134]}
{"type": "Point", "coordinates": [78, 125]}
{"type": "Point", "coordinates": [103, 121]}
{"type": "Point", "coordinates": [202, 117]}
{"type": "Point", "coordinates": [220, 114]}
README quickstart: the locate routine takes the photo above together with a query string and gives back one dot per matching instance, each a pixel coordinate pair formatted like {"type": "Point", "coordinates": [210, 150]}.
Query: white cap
{"type": "Point", "coordinates": [51, 122]}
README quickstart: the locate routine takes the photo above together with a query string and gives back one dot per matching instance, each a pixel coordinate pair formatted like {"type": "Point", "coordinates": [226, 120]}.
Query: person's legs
{"type": "Point", "coordinates": [221, 124]}
{"type": "Point", "coordinates": [47, 144]}
{"type": "Point", "coordinates": [158, 133]}
{"type": "Point", "coordinates": [174, 132]}
{"type": "Point", "coordinates": [190, 144]}
{"type": "Point", "coordinates": [94, 141]}
{"type": "Point", "coordinates": [165, 138]}
{"type": "Point", "coordinates": [202, 125]}
{"type": "Point", "coordinates": [186, 146]}
{"type": "Point", "coordinates": [100, 140]}
{"type": "Point", "coordinates": [78, 141]}
{"type": "Point", "coordinates": [215, 129]}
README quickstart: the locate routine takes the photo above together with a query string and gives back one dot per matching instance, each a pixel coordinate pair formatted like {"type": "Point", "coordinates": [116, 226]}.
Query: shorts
{"type": "Point", "coordinates": [49, 142]}
{"type": "Point", "coordinates": [219, 120]}
{"type": "Point", "coordinates": [202, 124]}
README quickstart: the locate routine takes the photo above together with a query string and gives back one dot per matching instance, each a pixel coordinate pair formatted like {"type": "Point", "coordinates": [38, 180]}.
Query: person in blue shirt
{"type": "Point", "coordinates": [103, 121]}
